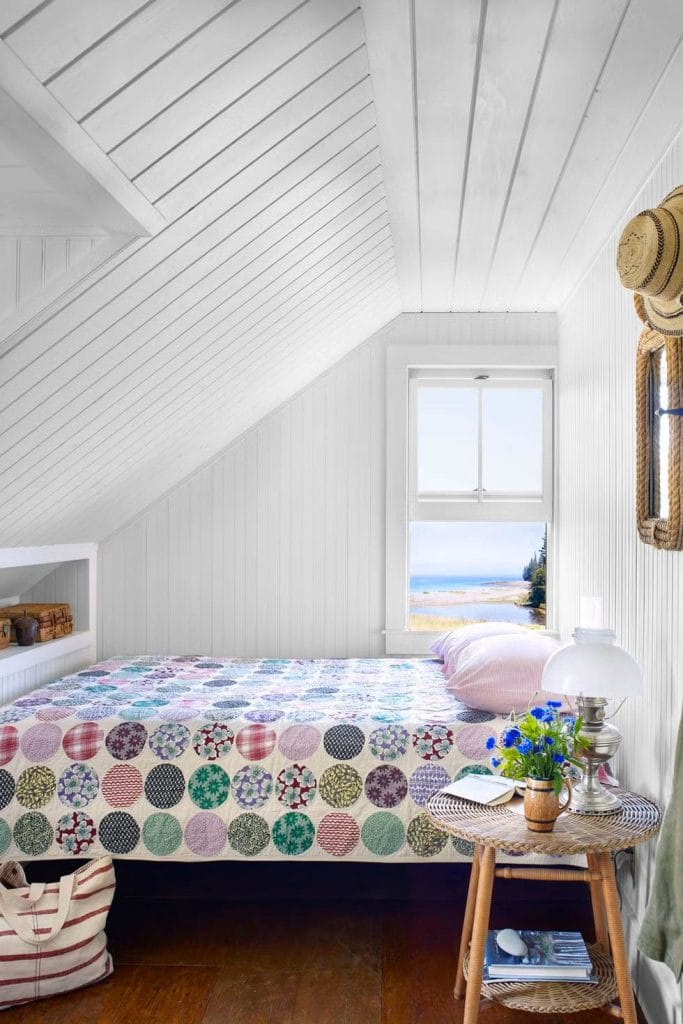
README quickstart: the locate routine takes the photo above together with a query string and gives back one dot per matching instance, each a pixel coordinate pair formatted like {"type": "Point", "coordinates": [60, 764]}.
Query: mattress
{"type": "Point", "coordinates": [198, 758]}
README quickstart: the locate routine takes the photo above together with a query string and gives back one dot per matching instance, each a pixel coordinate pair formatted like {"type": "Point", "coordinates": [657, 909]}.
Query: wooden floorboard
{"type": "Point", "coordinates": [294, 954]}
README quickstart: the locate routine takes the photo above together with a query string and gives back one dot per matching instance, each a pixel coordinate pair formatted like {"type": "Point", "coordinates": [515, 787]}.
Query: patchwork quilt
{"type": "Point", "coordinates": [190, 758]}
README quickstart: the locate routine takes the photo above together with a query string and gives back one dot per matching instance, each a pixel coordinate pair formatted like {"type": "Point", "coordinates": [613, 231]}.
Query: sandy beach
{"type": "Point", "coordinates": [503, 591]}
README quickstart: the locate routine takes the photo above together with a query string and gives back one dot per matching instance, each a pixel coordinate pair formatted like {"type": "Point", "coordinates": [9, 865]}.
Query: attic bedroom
{"type": "Point", "coordinates": [341, 379]}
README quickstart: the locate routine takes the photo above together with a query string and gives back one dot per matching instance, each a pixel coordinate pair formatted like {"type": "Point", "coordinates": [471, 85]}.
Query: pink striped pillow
{"type": "Point", "coordinates": [453, 644]}
{"type": "Point", "coordinates": [502, 674]}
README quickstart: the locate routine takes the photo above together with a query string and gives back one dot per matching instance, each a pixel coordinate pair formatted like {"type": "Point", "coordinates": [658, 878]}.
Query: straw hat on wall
{"type": "Point", "coordinates": [650, 262]}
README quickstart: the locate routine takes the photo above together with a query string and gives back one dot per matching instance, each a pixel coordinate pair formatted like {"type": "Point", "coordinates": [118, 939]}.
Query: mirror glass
{"type": "Point", "coordinates": [658, 399]}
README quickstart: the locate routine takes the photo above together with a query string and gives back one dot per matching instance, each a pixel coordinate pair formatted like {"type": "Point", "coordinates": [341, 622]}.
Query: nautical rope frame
{"type": "Point", "coordinates": [662, 533]}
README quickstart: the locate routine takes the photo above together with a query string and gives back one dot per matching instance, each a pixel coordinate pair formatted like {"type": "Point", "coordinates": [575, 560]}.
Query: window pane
{"type": "Point", "coordinates": [447, 439]}
{"type": "Point", "coordinates": [476, 572]}
{"type": "Point", "coordinates": [512, 440]}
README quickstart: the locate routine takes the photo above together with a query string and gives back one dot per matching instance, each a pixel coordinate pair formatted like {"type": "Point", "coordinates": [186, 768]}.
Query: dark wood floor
{"type": "Point", "coordinates": [295, 944]}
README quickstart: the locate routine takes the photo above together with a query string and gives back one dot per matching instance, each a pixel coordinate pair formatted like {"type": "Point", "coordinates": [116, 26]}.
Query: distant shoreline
{"type": "Point", "coordinates": [497, 591]}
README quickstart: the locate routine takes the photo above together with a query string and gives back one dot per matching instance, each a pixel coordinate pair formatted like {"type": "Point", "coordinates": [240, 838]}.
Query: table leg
{"type": "Point", "coordinates": [482, 910]}
{"type": "Point", "coordinates": [468, 921]}
{"type": "Point", "coordinates": [598, 903]}
{"type": "Point", "coordinates": [616, 935]}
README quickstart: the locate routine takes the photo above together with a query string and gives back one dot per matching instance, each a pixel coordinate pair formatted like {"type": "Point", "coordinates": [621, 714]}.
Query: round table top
{"type": "Point", "coordinates": [504, 828]}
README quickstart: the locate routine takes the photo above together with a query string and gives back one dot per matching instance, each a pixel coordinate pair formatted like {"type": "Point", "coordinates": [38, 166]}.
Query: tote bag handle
{"type": "Point", "coordinates": [12, 905]}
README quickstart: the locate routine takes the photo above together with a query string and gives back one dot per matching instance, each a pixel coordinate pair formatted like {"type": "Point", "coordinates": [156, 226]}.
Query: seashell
{"type": "Point", "coordinates": [510, 941]}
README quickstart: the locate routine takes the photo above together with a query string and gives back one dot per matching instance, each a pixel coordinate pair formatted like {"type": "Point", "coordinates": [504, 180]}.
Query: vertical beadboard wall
{"type": "Point", "coordinates": [18, 683]}
{"type": "Point", "coordinates": [277, 547]}
{"type": "Point", "coordinates": [599, 552]}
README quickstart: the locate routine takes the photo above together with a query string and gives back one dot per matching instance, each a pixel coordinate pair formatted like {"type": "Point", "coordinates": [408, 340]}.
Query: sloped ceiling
{"type": "Point", "coordinates": [312, 168]}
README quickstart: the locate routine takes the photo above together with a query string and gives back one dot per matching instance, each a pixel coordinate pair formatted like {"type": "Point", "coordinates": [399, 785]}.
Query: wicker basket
{"type": "Point", "coordinates": [54, 620]}
{"type": "Point", "coordinates": [5, 630]}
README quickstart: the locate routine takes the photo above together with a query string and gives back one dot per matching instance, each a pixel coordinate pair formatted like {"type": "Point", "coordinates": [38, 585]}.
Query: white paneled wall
{"type": "Point", "coordinates": [277, 546]}
{"type": "Point", "coordinates": [599, 552]}
{"type": "Point", "coordinates": [25, 680]}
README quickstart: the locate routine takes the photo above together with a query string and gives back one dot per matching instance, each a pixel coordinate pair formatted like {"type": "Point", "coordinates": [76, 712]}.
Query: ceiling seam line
{"type": "Point", "coordinates": [27, 17]}
{"type": "Point", "coordinates": [468, 147]}
{"type": "Point", "coordinates": [573, 144]}
{"type": "Point", "coordinates": [520, 146]}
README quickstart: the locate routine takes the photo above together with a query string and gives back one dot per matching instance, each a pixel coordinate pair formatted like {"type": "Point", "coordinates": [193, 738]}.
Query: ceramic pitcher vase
{"type": "Point", "coordinates": [541, 806]}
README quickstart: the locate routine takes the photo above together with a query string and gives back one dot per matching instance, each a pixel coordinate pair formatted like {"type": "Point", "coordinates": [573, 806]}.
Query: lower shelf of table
{"type": "Point", "coordinates": [556, 996]}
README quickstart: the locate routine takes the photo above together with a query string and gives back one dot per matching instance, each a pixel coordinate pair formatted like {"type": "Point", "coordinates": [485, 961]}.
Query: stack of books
{"type": "Point", "coordinates": [537, 956]}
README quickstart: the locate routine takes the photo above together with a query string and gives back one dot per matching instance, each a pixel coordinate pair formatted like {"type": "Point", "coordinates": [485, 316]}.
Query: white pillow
{"type": "Point", "coordinates": [454, 643]}
{"type": "Point", "coordinates": [502, 674]}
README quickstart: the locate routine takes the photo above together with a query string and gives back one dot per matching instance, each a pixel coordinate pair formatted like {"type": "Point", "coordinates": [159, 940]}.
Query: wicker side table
{"type": "Point", "coordinates": [504, 828]}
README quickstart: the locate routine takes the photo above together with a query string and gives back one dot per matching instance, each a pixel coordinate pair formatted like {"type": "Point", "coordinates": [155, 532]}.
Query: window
{"type": "Point", "coordinates": [477, 502]}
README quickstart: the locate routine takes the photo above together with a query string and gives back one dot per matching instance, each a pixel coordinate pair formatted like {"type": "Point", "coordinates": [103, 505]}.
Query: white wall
{"type": "Point", "coordinates": [277, 546]}
{"type": "Point", "coordinates": [599, 552]}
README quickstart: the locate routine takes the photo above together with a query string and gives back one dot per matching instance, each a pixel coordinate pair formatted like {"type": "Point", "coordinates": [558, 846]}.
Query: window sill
{"type": "Point", "coordinates": [417, 643]}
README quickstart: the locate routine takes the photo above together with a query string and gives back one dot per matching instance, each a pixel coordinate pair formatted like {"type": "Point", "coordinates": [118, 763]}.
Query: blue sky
{"type": "Point", "coordinates": [473, 549]}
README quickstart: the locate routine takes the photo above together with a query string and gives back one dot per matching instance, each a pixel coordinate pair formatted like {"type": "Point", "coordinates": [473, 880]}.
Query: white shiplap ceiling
{"type": "Point", "coordinates": [301, 170]}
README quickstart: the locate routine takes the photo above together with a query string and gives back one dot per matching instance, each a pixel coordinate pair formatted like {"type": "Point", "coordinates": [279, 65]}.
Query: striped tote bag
{"type": "Point", "coordinates": [52, 935]}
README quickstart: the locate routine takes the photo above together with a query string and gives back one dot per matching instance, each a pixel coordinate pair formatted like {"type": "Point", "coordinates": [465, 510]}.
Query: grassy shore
{"type": "Point", "coordinates": [441, 624]}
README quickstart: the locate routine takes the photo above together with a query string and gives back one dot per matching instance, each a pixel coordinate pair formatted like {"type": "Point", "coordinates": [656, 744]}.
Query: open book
{"type": "Point", "coordinates": [485, 789]}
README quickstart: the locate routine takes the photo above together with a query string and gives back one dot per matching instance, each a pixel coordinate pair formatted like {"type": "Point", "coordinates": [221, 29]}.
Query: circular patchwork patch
{"type": "Point", "coordinates": [33, 834]}
{"type": "Point", "coordinates": [165, 786]}
{"type": "Point", "coordinates": [36, 786]}
{"type": "Point", "coordinates": [14, 714]}
{"type": "Point", "coordinates": [252, 786]}
{"type": "Point", "coordinates": [293, 833]}
{"type": "Point", "coordinates": [83, 741]}
{"type": "Point", "coordinates": [52, 714]}
{"type": "Point", "coordinates": [343, 742]}
{"type": "Point", "coordinates": [425, 780]}
{"type": "Point", "coordinates": [463, 846]}
{"type": "Point", "coordinates": [75, 833]}
{"type": "Point", "coordinates": [471, 715]}
{"type": "Point", "coordinates": [5, 836]}
{"type": "Point", "coordinates": [213, 740]}
{"type": "Point", "coordinates": [383, 833]}
{"type": "Point", "coordinates": [296, 786]}
{"type": "Point", "coordinates": [206, 833]}
{"type": "Point", "coordinates": [6, 787]}
{"type": "Point", "coordinates": [248, 834]}
{"type": "Point", "coordinates": [162, 834]}
{"type": "Point", "coordinates": [386, 786]}
{"type": "Point", "coordinates": [299, 742]}
{"type": "Point", "coordinates": [389, 742]}
{"type": "Point", "coordinates": [122, 786]}
{"type": "Point", "coordinates": [425, 839]}
{"type": "Point", "coordinates": [340, 785]}
{"type": "Point", "coordinates": [433, 742]}
{"type": "Point", "coordinates": [255, 742]}
{"type": "Point", "coordinates": [78, 785]}
{"type": "Point", "coordinates": [234, 705]}
{"type": "Point", "coordinates": [41, 742]}
{"type": "Point", "coordinates": [169, 740]}
{"type": "Point", "coordinates": [9, 743]}
{"type": "Point", "coordinates": [209, 786]}
{"type": "Point", "coordinates": [264, 716]}
{"type": "Point", "coordinates": [338, 834]}
{"type": "Point", "coordinates": [471, 741]}
{"type": "Point", "coordinates": [119, 833]}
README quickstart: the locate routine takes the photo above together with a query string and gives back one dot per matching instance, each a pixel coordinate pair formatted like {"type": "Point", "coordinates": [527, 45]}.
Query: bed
{"type": "Point", "coordinates": [198, 758]}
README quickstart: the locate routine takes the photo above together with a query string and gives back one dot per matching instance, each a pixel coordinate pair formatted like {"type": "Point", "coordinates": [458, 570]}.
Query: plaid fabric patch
{"type": "Point", "coordinates": [9, 743]}
{"type": "Point", "coordinates": [255, 742]}
{"type": "Point", "coordinates": [83, 741]}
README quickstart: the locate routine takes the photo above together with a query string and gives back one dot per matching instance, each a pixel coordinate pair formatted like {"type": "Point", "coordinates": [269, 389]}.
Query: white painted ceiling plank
{"type": "Point", "coordinates": [446, 37]}
{"type": "Point", "coordinates": [183, 69]}
{"type": "Point", "coordinates": [389, 40]}
{"type": "Point", "coordinates": [121, 56]}
{"type": "Point", "coordinates": [582, 35]}
{"type": "Point", "coordinates": [12, 11]}
{"type": "Point", "coordinates": [163, 259]}
{"type": "Point", "coordinates": [246, 71]}
{"type": "Point", "coordinates": [514, 44]}
{"type": "Point", "coordinates": [266, 116]}
{"type": "Point", "coordinates": [63, 29]}
{"type": "Point", "coordinates": [648, 37]}
{"type": "Point", "coordinates": [47, 137]}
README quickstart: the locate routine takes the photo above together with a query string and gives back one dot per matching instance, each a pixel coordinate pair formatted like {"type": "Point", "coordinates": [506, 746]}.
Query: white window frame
{"type": "Point", "coordinates": [528, 365]}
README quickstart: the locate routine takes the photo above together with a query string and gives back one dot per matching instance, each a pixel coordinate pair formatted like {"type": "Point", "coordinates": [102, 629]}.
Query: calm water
{"type": "Point", "coordinates": [489, 612]}
{"type": "Point", "coordinates": [420, 584]}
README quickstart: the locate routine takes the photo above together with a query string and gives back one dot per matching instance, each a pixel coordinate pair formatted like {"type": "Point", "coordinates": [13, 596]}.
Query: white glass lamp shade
{"type": "Point", "coordinates": [593, 666]}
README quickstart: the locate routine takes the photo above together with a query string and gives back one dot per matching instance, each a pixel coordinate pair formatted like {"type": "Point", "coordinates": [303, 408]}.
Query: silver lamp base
{"type": "Point", "coordinates": [590, 796]}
